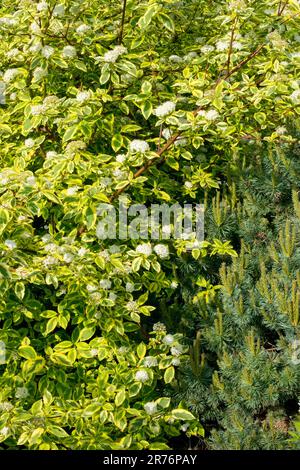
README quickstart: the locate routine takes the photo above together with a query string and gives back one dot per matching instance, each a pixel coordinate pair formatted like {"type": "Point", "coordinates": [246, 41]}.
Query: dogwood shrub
{"type": "Point", "coordinates": [103, 101]}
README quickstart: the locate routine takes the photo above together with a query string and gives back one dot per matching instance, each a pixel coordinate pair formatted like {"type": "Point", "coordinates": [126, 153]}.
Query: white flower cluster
{"type": "Point", "coordinates": [142, 376]}
{"type": "Point", "coordinates": [10, 74]}
{"type": "Point", "coordinates": [42, 6]}
{"type": "Point", "coordinates": [51, 154]}
{"type": "Point", "coordinates": [94, 352]}
{"type": "Point", "coordinates": [168, 339]}
{"type": "Point", "coordinates": [209, 115]}
{"type": "Point", "coordinates": [295, 96]}
{"type": "Point", "coordinates": [276, 40]}
{"type": "Point", "coordinates": [105, 284]}
{"type": "Point", "coordinates": [68, 258]}
{"type": "Point", "coordinates": [121, 158]}
{"type": "Point", "coordinates": [82, 29]}
{"type": "Point", "coordinates": [21, 392]}
{"type": "Point", "coordinates": [30, 181]}
{"type": "Point", "coordinates": [113, 55]}
{"type": "Point", "coordinates": [176, 350]}
{"type": "Point", "coordinates": [119, 174]}
{"type": "Point", "coordinates": [14, 53]}
{"type": "Point", "coordinates": [7, 22]}
{"type": "Point", "coordinates": [222, 45]}
{"type": "Point", "coordinates": [4, 431]}
{"type": "Point", "coordinates": [34, 28]}
{"type": "Point", "coordinates": [47, 51]}
{"type": "Point", "coordinates": [74, 147]}
{"type": "Point", "coordinates": [10, 244]}
{"type": "Point", "coordinates": [35, 47]}
{"type": "Point", "coordinates": [5, 406]}
{"type": "Point", "coordinates": [39, 73]}
{"type": "Point", "coordinates": [150, 408]}
{"type": "Point", "coordinates": [159, 326]}
{"type": "Point", "coordinates": [59, 10]}
{"type": "Point", "coordinates": [129, 287]}
{"type": "Point", "coordinates": [175, 58]}
{"type": "Point", "coordinates": [131, 305]}
{"type": "Point", "coordinates": [91, 288]}
{"type": "Point", "coordinates": [161, 250]}
{"type": "Point", "coordinates": [69, 52]}
{"type": "Point", "coordinates": [105, 181]}
{"type": "Point", "coordinates": [167, 133]}
{"type": "Point", "coordinates": [83, 96]}
{"type": "Point", "coordinates": [150, 361]}
{"type": "Point", "coordinates": [207, 49]}
{"type": "Point", "coordinates": [164, 109]}
{"type": "Point", "coordinates": [144, 249]}
{"type": "Point", "coordinates": [29, 143]}
{"type": "Point", "coordinates": [281, 130]}
{"type": "Point", "coordinates": [72, 190]}
{"type": "Point", "coordinates": [190, 56]}
{"type": "Point", "coordinates": [139, 146]}
{"type": "Point", "coordinates": [48, 103]}
{"type": "Point", "coordinates": [175, 361]}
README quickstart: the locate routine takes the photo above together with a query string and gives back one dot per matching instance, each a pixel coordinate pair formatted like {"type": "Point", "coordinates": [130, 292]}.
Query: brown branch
{"type": "Point", "coordinates": [159, 139]}
{"type": "Point", "coordinates": [147, 165]}
{"type": "Point", "coordinates": [282, 6]}
{"type": "Point", "coordinates": [231, 43]}
{"type": "Point", "coordinates": [243, 62]}
{"type": "Point", "coordinates": [122, 22]}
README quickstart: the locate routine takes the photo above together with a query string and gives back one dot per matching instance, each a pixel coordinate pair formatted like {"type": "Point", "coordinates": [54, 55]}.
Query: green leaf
{"type": "Point", "coordinates": [182, 414]}
{"type": "Point", "coordinates": [146, 19]}
{"type": "Point", "coordinates": [92, 409]}
{"type": "Point", "coordinates": [90, 215]}
{"type": "Point", "coordinates": [120, 397]}
{"type": "Point", "coordinates": [169, 374]}
{"type": "Point", "coordinates": [27, 352]}
{"type": "Point", "coordinates": [80, 65]}
{"type": "Point", "coordinates": [51, 197]}
{"type": "Point", "coordinates": [4, 219]}
{"type": "Point", "coordinates": [167, 22]}
{"type": "Point", "coordinates": [134, 389]}
{"type": "Point", "coordinates": [70, 133]}
{"type": "Point", "coordinates": [141, 350]}
{"type": "Point", "coordinates": [20, 290]}
{"type": "Point", "coordinates": [146, 87]}
{"type": "Point", "coordinates": [136, 264]}
{"type": "Point", "coordinates": [260, 117]}
{"type": "Point", "coordinates": [51, 325]}
{"type": "Point", "coordinates": [146, 109]}
{"type": "Point", "coordinates": [163, 402]}
{"type": "Point", "coordinates": [130, 128]}
{"type": "Point", "coordinates": [105, 75]}
{"type": "Point", "coordinates": [117, 142]}
{"type": "Point", "coordinates": [4, 271]}
{"type": "Point", "coordinates": [57, 431]}
{"type": "Point", "coordinates": [86, 333]}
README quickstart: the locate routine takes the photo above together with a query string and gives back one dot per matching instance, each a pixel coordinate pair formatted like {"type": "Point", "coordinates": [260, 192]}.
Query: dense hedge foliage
{"type": "Point", "coordinates": [127, 343]}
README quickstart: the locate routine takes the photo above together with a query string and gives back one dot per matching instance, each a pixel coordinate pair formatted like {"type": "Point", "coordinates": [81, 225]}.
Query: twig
{"type": "Point", "coordinates": [231, 43]}
{"type": "Point", "coordinates": [122, 22]}
{"type": "Point", "coordinates": [160, 135]}
{"type": "Point", "coordinates": [282, 6]}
